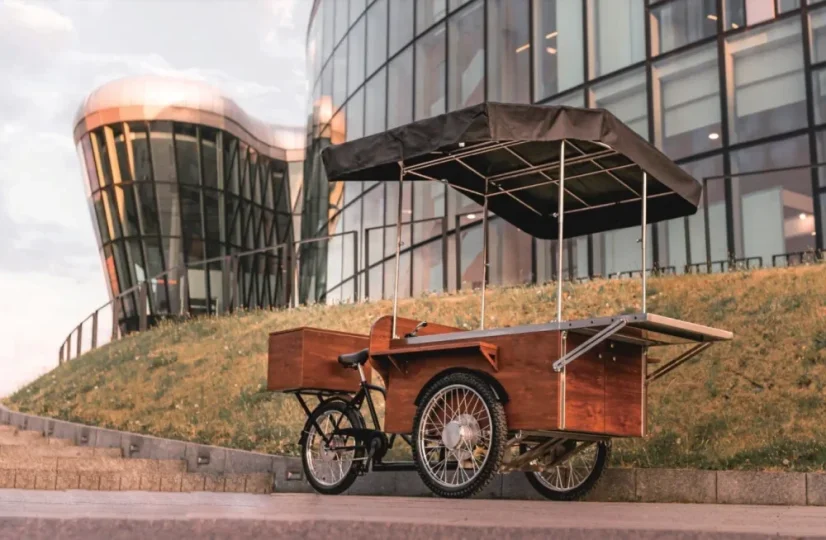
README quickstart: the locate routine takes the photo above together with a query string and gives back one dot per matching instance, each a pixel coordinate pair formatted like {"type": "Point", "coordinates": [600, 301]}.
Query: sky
{"type": "Point", "coordinates": [52, 54]}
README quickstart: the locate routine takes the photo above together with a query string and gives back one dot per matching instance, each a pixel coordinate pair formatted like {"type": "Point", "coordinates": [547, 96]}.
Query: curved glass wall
{"type": "Point", "coordinates": [165, 195]}
{"type": "Point", "coordinates": [723, 87]}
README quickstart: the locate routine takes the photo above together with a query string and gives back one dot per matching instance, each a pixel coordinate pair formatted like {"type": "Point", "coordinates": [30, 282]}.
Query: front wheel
{"type": "Point", "coordinates": [459, 433]}
{"type": "Point", "coordinates": [572, 479]}
{"type": "Point", "coordinates": [331, 466]}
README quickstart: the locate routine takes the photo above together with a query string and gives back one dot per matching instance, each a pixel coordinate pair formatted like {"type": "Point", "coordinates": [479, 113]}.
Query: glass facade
{"type": "Point", "coordinates": [165, 195]}
{"type": "Point", "coordinates": [729, 89]}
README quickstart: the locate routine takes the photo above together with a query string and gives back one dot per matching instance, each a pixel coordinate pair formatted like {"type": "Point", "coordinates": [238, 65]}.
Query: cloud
{"type": "Point", "coordinates": [35, 17]}
{"type": "Point", "coordinates": [284, 10]}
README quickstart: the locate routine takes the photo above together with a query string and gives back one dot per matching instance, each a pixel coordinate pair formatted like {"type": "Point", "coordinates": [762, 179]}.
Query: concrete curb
{"type": "Point", "coordinates": [617, 485]}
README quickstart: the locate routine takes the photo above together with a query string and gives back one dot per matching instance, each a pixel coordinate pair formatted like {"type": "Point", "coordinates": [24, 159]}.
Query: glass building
{"type": "Point", "coordinates": [724, 87]}
{"type": "Point", "coordinates": [177, 174]}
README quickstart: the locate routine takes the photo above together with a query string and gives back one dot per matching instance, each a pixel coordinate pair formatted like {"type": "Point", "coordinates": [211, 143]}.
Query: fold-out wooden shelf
{"type": "Point", "coordinates": [404, 354]}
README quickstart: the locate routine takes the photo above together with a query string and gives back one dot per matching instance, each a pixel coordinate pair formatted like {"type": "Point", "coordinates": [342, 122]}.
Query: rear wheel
{"type": "Point", "coordinates": [576, 476]}
{"type": "Point", "coordinates": [459, 433]}
{"type": "Point", "coordinates": [331, 467]}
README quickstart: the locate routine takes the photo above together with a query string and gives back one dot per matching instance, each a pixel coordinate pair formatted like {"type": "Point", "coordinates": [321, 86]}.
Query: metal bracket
{"type": "Point", "coordinates": [592, 342]}
{"type": "Point", "coordinates": [683, 358]}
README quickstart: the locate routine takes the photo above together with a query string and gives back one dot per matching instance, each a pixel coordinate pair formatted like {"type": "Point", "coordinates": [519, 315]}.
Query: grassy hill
{"type": "Point", "coordinates": [757, 402]}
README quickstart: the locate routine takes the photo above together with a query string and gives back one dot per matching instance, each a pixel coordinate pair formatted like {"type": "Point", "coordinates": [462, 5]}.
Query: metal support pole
{"type": "Point", "coordinates": [560, 236]}
{"type": "Point", "coordinates": [236, 265]}
{"type": "Point", "coordinates": [60, 354]}
{"type": "Point", "coordinates": [484, 254]}
{"type": "Point", "coordinates": [183, 279]}
{"type": "Point", "coordinates": [115, 318]}
{"type": "Point", "coordinates": [95, 330]}
{"type": "Point", "coordinates": [644, 236]}
{"type": "Point", "coordinates": [142, 300]}
{"type": "Point", "coordinates": [69, 348]}
{"type": "Point", "coordinates": [398, 247]}
{"type": "Point", "coordinates": [226, 266]}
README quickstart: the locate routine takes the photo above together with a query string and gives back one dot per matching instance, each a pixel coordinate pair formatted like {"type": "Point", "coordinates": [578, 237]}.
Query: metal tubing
{"type": "Point", "coordinates": [686, 356]}
{"type": "Point", "coordinates": [142, 298]}
{"type": "Point", "coordinates": [355, 267]}
{"type": "Point", "coordinates": [115, 317]}
{"type": "Point", "coordinates": [560, 220]}
{"type": "Point", "coordinates": [79, 340]}
{"type": "Point", "coordinates": [95, 330]}
{"type": "Point", "coordinates": [484, 254]}
{"type": "Point", "coordinates": [592, 342]}
{"type": "Point", "coordinates": [644, 237]}
{"type": "Point", "coordinates": [398, 247]}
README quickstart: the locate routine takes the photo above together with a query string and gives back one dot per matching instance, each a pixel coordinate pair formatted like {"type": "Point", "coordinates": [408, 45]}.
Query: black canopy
{"type": "Point", "coordinates": [512, 154]}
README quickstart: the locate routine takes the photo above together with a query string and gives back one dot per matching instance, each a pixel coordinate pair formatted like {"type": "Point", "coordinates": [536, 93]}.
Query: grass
{"type": "Point", "coordinates": [755, 403]}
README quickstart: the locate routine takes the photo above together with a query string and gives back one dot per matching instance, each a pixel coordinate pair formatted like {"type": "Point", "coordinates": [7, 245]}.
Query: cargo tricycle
{"type": "Point", "coordinates": [542, 399]}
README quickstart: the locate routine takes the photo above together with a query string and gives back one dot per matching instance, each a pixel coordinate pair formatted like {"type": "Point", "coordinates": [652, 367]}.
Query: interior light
{"type": "Point", "coordinates": [551, 35]}
{"type": "Point", "coordinates": [711, 17]}
{"type": "Point", "coordinates": [802, 216]}
{"type": "Point", "coordinates": [471, 216]}
{"type": "Point", "coordinates": [550, 50]}
{"type": "Point", "coordinates": [524, 47]}
{"type": "Point", "coordinates": [713, 136]}
{"type": "Point", "coordinates": [814, 233]}
{"type": "Point", "coordinates": [734, 25]}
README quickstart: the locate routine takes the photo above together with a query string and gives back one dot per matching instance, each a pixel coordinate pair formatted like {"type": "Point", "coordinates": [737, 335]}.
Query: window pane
{"type": "Point", "coordinates": [821, 157]}
{"type": "Point", "coordinates": [787, 5]}
{"type": "Point", "coordinates": [573, 99]}
{"type": "Point", "coordinates": [509, 254]}
{"type": "Point", "coordinates": [356, 9]}
{"type": "Point", "coordinates": [739, 13]}
{"type": "Point", "coordinates": [342, 18]}
{"type": "Point", "coordinates": [624, 96]}
{"type": "Point", "coordinates": [456, 4]}
{"type": "Point", "coordinates": [429, 12]}
{"type": "Point", "coordinates": [340, 75]}
{"type": "Point", "coordinates": [168, 205]}
{"type": "Point", "coordinates": [558, 58]}
{"type": "Point", "coordinates": [374, 102]}
{"type": "Point", "coordinates": [355, 116]}
{"type": "Point", "coordinates": [767, 81]}
{"type": "Point", "coordinates": [616, 34]}
{"type": "Point", "coordinates": [430, 73]}
{"type": "Point", "coordinates": [163, 157]}
{"type": "Point", "coordinates": [772, 212]}
{"type": "Point", "coordinates": [428, 268]}
{"type": "Point", "coordinates": [466, 66]}
{"type": "Point", "coordinates": [89, 163]}
{"type": "Point", "coordinates": [401, 21]}
{"type": "Point", "coordinates": [209, 157]}
{"type": "Point", "coordinates": [817, 24]}
{"type": "Point", "coordinates": [329, 9]}
{"type": "Point", "coordinates": [99, 141]}
{"type": "Point", "coordinates": [400, 91]}
{"type": "Point", "coordinates": [149, 208]}
{"type": "Point", "coordinates": [676, 24]}
{"type": "Point", "coordinates": [687, 85]}
{"type": "Point", "coordinates": [509, 53]}
{"type": "Point", "coordinates": [376, 35]}
{"type": "Point", "coordinates": [356, 57]}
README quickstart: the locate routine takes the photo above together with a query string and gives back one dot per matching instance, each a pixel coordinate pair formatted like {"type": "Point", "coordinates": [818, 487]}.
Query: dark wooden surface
{"type": "Point", "coordinates": [308, 358]}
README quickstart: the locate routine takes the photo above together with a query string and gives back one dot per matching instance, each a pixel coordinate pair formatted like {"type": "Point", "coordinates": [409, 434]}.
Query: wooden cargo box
{"type": "Point", "coordinates": [308, 358]}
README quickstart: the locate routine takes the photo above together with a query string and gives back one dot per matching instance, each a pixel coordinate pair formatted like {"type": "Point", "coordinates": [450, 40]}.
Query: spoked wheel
{"type": "Point", "coordinates": [331, 467]}
{"type": "Point", "coordinates": [573, 478]}
{"type": "Point", "coordinates": [459, 432]}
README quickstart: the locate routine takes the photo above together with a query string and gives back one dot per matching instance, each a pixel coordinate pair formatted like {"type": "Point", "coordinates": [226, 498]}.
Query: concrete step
{"type": "Point", "coordinates": [133, 481]}
{"type": "Point", "coordinates": [58, 451]}
{"type": "Point", "coordinates": [92, 464]}
{"type": "Point", "coordinates": [31, 439]}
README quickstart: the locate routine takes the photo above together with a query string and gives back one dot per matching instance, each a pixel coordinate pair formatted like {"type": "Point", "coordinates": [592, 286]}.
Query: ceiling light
{"type": "Point", "coordinates": [734, 25]}
{"type": "Point", "coordinates": [524, 47]}
{"type": "Point", "coordinates": [814, 233]}
{"type": "Point", "coordinates": [551, 35]}
{"type": "Point", "coordinates": [471, 216]}
{"type": "Point", "coordinates": [802, 216]}
{"type": "Point", "coordinates": [550, 50]}
{"type": "Point", "coordinates": [711, 17]}
{"type": "Point", "coordinates": [713, 136]}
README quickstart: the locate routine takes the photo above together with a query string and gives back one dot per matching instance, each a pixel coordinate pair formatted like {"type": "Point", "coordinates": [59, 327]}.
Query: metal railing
{"type": "Point", "coordinates": [239, 283]}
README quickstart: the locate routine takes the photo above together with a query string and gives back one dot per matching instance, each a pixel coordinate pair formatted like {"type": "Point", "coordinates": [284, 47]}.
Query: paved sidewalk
{"type": "Point", "coordinates": [161, 516]}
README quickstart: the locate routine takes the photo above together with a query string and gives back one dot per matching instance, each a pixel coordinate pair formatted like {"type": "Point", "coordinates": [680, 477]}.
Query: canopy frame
{"type": "Point", "coordinates": [493, 188]}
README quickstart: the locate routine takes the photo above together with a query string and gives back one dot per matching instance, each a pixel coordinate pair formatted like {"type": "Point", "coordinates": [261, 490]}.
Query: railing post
{"type": "Point", "coordinates": [60, 355]}
{"type": "Point", "coordinates": [115, 317]}
{"type": "Point", "coordinates": [294, 268]}
{"type": "Point", "coordinates": [184, 290]}
{"type": "Point", "coordinates": [356, 267]}
{"type": "Point", "coordinates": [69, 348]}
{"type": "Point", "coordinates": [79, 339]}
{"type": "Point", "coordinates": [226, 268]}
{"type": "Point", "coordinates": [95, 330]}
{"type": "Point", "coordinates": [142, 298]}
{"type": "Point", "coordinates": [236, 265]}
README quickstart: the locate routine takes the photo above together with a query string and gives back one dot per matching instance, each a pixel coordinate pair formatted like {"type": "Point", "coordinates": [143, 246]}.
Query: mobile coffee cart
{"type": "Point", "coordinates": [545, 399]}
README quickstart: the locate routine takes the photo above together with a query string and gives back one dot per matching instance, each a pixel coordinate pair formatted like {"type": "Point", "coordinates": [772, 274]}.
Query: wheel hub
{"type": "Point", "coordinates": [328, 453]}
{"type": "Point", "coordinates": [461, 434]}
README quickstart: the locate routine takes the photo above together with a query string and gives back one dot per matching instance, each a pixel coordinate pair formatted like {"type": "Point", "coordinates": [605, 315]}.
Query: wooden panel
{"type": "Point", "coordinates": [624, 391]}
{"type": "Point", "coordinates": [525, 372]}
{"type": "Point", "coordinates": [284, 365]}
{"type": "Point", "coordinates": [585, 389]}
{"type": "Point", "coordinates": [308, 358]}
